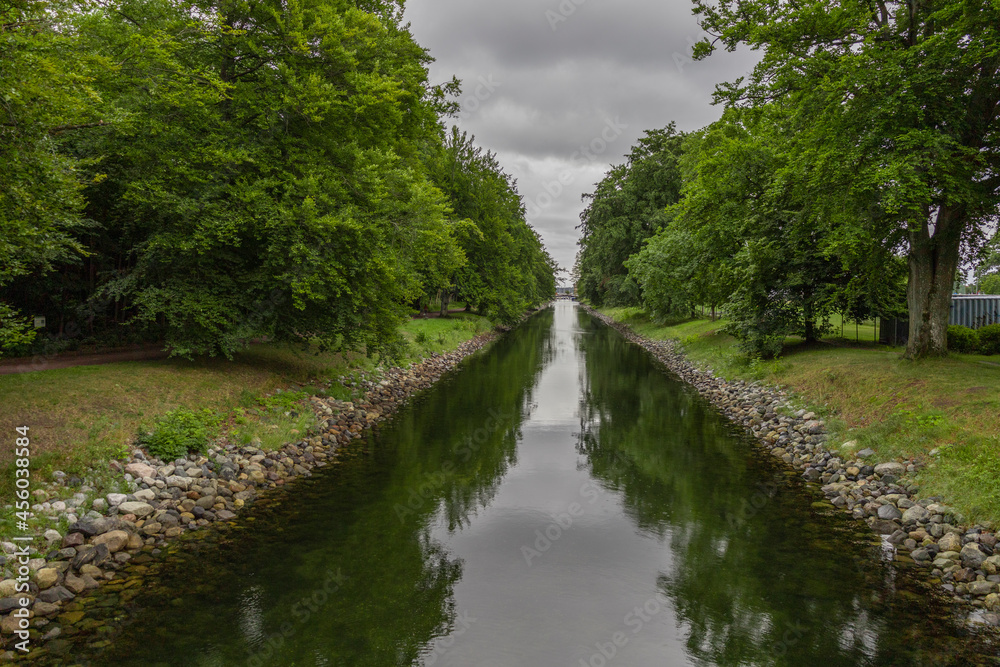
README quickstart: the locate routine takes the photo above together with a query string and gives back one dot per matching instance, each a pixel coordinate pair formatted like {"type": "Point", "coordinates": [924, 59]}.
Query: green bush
{"type": "Point", "coordinates": [179, 432]}
{"type": "Point", "coordinates": [963, 339]}
{"type": "Point", "coordinates": [989, 339]}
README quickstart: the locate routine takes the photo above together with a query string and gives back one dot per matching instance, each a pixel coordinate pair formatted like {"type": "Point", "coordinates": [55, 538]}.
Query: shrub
{"type": "Point", "coordinates": [989, 339]}
{"type": "Point", "coordinates": [963, 339]}
{"type": "Point", "coordinates": [179, 432]}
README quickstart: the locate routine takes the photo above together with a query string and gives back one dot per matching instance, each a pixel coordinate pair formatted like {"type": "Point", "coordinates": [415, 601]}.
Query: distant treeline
{"type": "Point", "coordinates": [212, 172]}
{"type": "Point", "coordinates": [852, 172]}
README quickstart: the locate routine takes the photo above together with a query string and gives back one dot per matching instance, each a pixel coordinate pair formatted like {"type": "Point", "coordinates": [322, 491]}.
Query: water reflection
{"type": "Point", "coordinates": [560, 501]}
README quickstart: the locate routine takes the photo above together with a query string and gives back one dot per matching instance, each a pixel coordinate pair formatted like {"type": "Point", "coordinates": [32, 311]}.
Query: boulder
{"type": "Point", "coordinates": [890, 468]}
{"type": "Point", "coordinates": [115, 540]}
{"type": "Point", "coordinates": [46, 577]}
{"type": "Point", "coordinates": [950, 542]}
{"type": "Point", "coordinates": [972, 555]}
{"type": "Point", "coordinates": [916, 513]}
{"type": "Point", "coordinates": [139, 509]}
{"type": "Point", "coordinates": [140, 470]}
{"type": "Point", "coordinates": [56, 594]}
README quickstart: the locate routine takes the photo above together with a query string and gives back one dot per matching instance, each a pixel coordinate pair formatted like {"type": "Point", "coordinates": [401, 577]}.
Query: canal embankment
{"type": "Point", "coordinates": [95, 528]}
{"type": "Point", "coordinates": [923, 530]}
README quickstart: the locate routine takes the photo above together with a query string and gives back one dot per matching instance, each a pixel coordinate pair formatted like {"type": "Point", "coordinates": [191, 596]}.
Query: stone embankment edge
{"type": "Point", "coordinates": [923, 531]}
{"type": "Point", "coordinates": [169, 499]}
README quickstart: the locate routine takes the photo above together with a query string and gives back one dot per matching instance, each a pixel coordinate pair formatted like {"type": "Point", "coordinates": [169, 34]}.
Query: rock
{"type": "Point", "coordinates": [981, 588]}
{"type": "Point", "coordinates": [884, 527]}
{"type": "Point", "coordinates": [115, 540]}
{"type": "Point", "coordinates": [992, 602]}
{"type": "Point", "coordinates": [91, 571]}
{"type": "Point", "coordinates": [152, 528]}
{"type": "Point", "coordinates": [179, 482]}
{"type": "Point", "coordinates": [71, 617]}
{"type": "Point", "coordinates": [915, 513]}
{"type": "Point", "coordinates": [890, 468]}
{"type": "Point", "coordinates": [134, 542]}
{"type": "Point", "coordinates": [9, 625]}
{"type": "Point", "coordinates": [866, 453]}
{"type": "Point", "coordinates": [140, 470]}
{"type": "Point", "coordinates": [950, 542]}
{"type": "Point", "coordinates": [75, 584]}
{"type": "Point", "coordinates": [116, 499]}
{"type": "Point", "coordinates": [206, 502]}
{"type": "Point", "coordinates": [45, 608]}
{"type": "Point", "coordinates": [972, 555]}
{"type": "Point", "coordinates": [85, 528]}
{"type": "Point", "coordinates": [225, 515]}
{"type": "Point", "coordinates": [83, 557]}
{"type": "Point", "coordinates": [139, 509]}
{"type": "Point", "coordinates": [8, 587]}
{"type": "Point", "coordinates": [889, 512]}
{"type": "Point", "coordinates": [52, 535]}
{"type": "Point", "coordinates": [145, 495]}
{"type": "Point", "coordinates": [100, 504]}
{"type": "Point", "coordinates": [992, 565]}
{"type": "Point", "coordinates": [10, 604]}
{"type": "Point", "coordinates": [46, 577]}
{"type": "Point", "coordinates": [56, 594]}
{"type": "Point", "coordinates": [922, 554]}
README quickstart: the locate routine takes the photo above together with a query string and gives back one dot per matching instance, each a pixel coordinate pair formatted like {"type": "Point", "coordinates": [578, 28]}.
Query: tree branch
{"type": "Point", "coordinates": [66, 128]}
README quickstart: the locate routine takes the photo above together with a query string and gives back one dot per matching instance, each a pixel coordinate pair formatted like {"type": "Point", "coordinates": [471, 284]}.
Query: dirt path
{"type": "Point", "coordinates": [68, 359]}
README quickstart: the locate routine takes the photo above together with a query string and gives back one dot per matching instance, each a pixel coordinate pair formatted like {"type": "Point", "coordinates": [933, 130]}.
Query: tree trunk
{"type": "Point", "coordinates": [445, 300]}
{"type": "Point", "coordinates": [810, 323]}
{"type": "Point", "coordinates": [933, 261]}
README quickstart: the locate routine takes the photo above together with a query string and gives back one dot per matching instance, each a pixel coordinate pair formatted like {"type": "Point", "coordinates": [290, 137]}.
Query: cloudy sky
{"type": "Point", "coordinates": [560, 89]}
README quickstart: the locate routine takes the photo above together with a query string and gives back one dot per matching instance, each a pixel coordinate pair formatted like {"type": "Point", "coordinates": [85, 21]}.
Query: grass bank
{"type": "Point", "coordinates": [83, 415]}
{"type": "Point", "coordinates": [945, 412]}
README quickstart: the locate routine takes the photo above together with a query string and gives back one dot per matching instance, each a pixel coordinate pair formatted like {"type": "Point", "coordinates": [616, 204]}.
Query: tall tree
{"type": "Point", "coordinates": [899, 107]}
{"type": "Point", "coordinates": [623, 211]}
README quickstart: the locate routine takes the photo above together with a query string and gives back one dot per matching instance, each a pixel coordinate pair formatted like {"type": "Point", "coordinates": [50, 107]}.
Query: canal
{"type": "Point", "coordinates": [559, 500]}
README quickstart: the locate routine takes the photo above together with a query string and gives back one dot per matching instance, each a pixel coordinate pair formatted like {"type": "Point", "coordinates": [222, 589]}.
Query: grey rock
{"type": "Point", "coordinates": [884, 527]}
{"type": "Point", "coordinates": [981, 588]}
{"type": "Point", "coordinates": [139, 509]}
{"type": "Point", "coordinates": [56, 594]}
{"type": "Point", "coordinates": [972, 555]}
{"type": "Point", "coordinates": [890, 468]}
{"type": "Point", "coordinates": [915, 513]}
{"type": "Point", "coordinates": [889, 512]}
{"type": "Point", "coordinates": [116, 499]}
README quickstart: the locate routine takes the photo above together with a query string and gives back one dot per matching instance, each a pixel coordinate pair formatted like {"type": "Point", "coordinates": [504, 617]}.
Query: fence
{"type": "Point", "coordinates": [975, 310]}
{"type": "Point", "coordinates": [970, 310]}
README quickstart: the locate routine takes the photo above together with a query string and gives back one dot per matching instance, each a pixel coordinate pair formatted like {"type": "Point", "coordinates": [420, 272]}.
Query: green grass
{"type": "Point", "coordinates": [89, 414]}
{"type": "Point", "coordinates": [870, 394]}
{"type": "Point", "coordinates": [441, 334]}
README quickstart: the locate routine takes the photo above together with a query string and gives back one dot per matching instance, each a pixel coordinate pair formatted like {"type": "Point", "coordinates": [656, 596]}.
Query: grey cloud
{"type": "Point", "coordinates": [556, 89]}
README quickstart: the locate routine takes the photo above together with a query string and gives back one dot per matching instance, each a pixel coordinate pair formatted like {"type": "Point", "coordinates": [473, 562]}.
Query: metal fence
{"type": "Point", "coordinates": [975, 310]}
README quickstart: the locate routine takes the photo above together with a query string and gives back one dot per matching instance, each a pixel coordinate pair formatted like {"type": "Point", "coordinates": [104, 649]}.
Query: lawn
{"type": "Point", "coordinates": [942, 411]}
{"type": "Point", "coordinates": [87, 414]}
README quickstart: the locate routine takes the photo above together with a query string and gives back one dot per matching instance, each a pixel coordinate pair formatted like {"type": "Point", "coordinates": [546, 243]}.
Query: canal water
{"type": "Point", "coordinates": [559, 500]}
